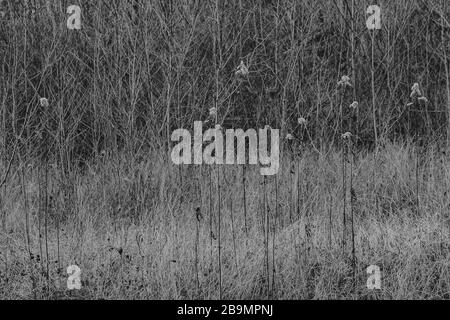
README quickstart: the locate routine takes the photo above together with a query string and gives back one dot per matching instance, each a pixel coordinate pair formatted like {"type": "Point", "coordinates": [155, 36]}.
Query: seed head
{"type": "Point", "coordinates": [44, 102]}
{"type": "Point", "coordinates": [289, 137]}
{"type": "Point", "coordinates": [346, 136]}
{"type": "Point", "coordinates": [267, 128]}
{"type": "Point", "coordinates": [415, 90]}
{"type": "Point", "coordinates": [242, 70]}
{"type": "Point", "coordinates": [302, 121]}
{"type": "Point", "coordinates": [345, 81]}
{"type": "Point", "coordinates": [213, 112]}
{"type": "Point", "coordinates": [354, 105]}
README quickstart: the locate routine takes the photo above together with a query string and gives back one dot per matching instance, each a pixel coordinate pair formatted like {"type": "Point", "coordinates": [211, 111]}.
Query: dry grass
{"type": "Point", "coordinates": [139, 69]}
{"type": "Point", "coordinates": [132, 240]}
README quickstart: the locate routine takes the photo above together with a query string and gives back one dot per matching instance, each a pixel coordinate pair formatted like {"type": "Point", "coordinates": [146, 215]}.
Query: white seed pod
{"type": "Point", "coordinates": [415, 90]}
{"type": "Point", "coordinates": [289, 137]}
{"type": "Point", "coordinates": [354, 105]}
{"type": "Point", "coordinates": [346, 135]}
{"type": "Point", "coordinates": [302, 121]}
{"type": "Point", "coordinates": [242, 70]}
{"type": "Point", "coordinates": [44, 102]}
{"type": "Point", "coordinates": [213, 112]}
{"type": "Point", "coordinates": [345, 81]}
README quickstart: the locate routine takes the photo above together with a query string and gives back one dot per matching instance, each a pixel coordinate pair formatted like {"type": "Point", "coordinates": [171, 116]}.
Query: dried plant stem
{"type": "Point", "coordinates": [210, 214]}
{"type": "Point", "coordinates": [372, 71]}
{"type": "Point", "coordinates": [27, 232]}
{"type": "Point", "coordinates": [352, 200]}
{"type": "Point", "coordinates": [292, 203]}
{"type": "Point", "coordinates": [266, 235]}
{"type": "Point", "coordinates": [417, 180]}
{"type": "Point", "coordinates": [3, 217]}
{"type": "Point", "coordinates": [58, 242]}
{"type": "Point", "coordinates": [375, 154]}
{"type": "Point", "coordinates": [244, 200]}
{"type": "Point", "coordinates": [446, 68]}
{"type": "Point", "coordinates": [197, 239]}
{"type": "Point", "coordinates": [40, 191]}
{"type": "Point", "coordinates": [233, 232]}
{"type": "Point", "coordinates": [219, 234]}
{"type": "Point", "coordinates": [169, 78]}
{"type": "Point", "coordinates": [298, 188]}
{"type": "Point", "coordinates": [352, 43]}
{"type": "Point", "coordinates": [344, 196]}
{"type": "Point", "coordinates": [274, 230]}
{"type": "Point", "coordinates": [330, 222]}
{"type": "Point", "coordinates": [217, 45]}
{"type": "Point", "coordinates": [46, 207]}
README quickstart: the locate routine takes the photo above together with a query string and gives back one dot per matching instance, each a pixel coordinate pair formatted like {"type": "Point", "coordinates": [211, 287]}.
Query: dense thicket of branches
{"type": "Point", "coordinates": [139, 69]}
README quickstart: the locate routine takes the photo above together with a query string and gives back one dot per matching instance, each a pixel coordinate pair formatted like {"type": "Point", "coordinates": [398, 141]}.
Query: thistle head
{"type": "Point", "coordinates": [44, 102]}
{"type": "Point", "coordinates": [289, 137]}
{"type": "Point", "coordinates": [242, 70]}
{"type": "Point", "coordinates": [345, 81]}
{"type": "Point", "coordinates": [346, 136]}
{"type": "Point", "coordinates": [213, 111]}
{"type": "Point", "coordinates": [354, 105]}
{"type": "Point", "coordinates": [415, 90]}
{"type": "Point", "coordinates": [302, 121]}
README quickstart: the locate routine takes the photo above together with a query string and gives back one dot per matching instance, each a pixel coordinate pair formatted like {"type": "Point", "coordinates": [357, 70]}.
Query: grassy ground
{"type": "Point", "coordinates": [139, 227]}
{"type": "Point", "coordinates": [133, 230]}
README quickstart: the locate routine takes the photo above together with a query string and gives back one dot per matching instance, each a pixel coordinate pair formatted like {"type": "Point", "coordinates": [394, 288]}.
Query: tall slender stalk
{"type": "Point", "coordinates": [27, 217]}
{"type": "Point", "coordinates": [219, 234]}
{"type": "Point", "coordinates": [58, 237]}
{"type": "Point", "coordinates": [372, 73]}
{"type": "Point", "coordinates": [444, 42]}
{"type": "Point", "coordinates": [40, 257]}
{"type": "Point", "coordinates": [3, 186]}
{"type": "Point", "coordinates": [244, 199]}
{"type": "Point", "coordinates": [197, 239]}
{"type": "Point", "coordinates": [375, 154]}
{"type": "Point", "coordinates": [344, 195]}
{"type": "Point", "coordinates": [417, 179]}
{"type": "Point", "coordinates": [330, 222]}
{"type": "Point", "coordinates": [291, 185]}
{"type": "Point", "coordinates": [210, 215]}
{"type": "Point", "coordinates": [298, 188]}
{"type": "Point", "coordinates": [27, 231]}
{"type": "Point", "coordinates": [266, 235]}
{"type": "Point", "coordinates": [5, 231]}
{"type": "Point", "coordinates": [274, 232]}
{"type": "Point", "coordinates": [233, 231]}
{"type": "Point", "coordinates": [352, 203]}
{"type": "Point", "coordinates": [447, 77]}
{"type": "Point", "coordinates": [217, 66]}
{"type": "Point", "coordinates": [352, 43]}
{"type": "Point", "coordinates": [46, 207]}
{"type": "Point", "coordinates": [169, 78]}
